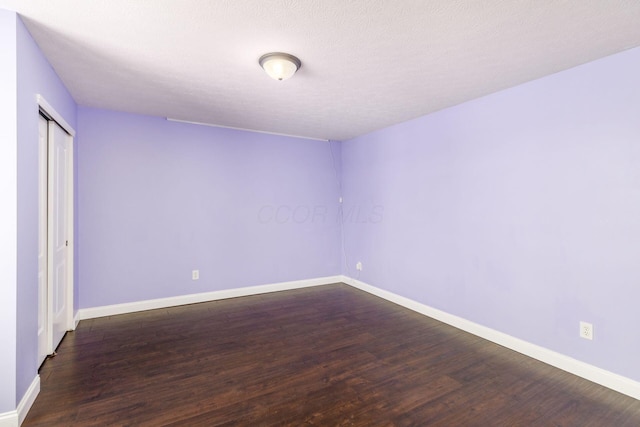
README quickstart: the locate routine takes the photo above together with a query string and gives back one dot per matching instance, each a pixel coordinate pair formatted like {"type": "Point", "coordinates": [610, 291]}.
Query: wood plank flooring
{"type": "Point", "coordinates": [324, 356]}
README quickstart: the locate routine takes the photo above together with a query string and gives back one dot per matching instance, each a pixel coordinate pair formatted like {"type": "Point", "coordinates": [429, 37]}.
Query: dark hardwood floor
{"type": "Point", "coordinates": [329, 356]}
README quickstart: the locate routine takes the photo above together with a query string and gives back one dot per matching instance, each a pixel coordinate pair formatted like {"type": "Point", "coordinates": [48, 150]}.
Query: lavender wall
{"type": "Point", "coordinates": [8, 210]}
{"type": "Point", "coordinates": [34, 76]}
{"type": "Point", "coordinates": [519, 211]}
{"type": "Point", "coordinates": [158, 199]}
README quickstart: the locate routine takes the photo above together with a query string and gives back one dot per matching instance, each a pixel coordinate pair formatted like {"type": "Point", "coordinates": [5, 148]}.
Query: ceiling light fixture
{"type": "Point", "coordinates": [278, 65]}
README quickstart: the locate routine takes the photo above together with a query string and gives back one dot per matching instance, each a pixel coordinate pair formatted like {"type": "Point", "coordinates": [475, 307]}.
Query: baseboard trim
{"type": "Point", "coordinates": [111, 310]}
{"type": "Point", "coordinates": [28, 399]}
{"type": "Point", "coordinates": [15, 418]}
{"type": "Point", "coordinates": [9, 419]}
{"type": "Point", "coordinates": [592, 373]}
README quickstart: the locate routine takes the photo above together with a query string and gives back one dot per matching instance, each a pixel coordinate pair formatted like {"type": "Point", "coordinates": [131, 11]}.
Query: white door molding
{"type": "Point", "coordinates": [54, 115]}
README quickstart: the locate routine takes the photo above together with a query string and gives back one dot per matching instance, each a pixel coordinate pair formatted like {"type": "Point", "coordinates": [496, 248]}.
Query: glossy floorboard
{"type": "Point", "coordinates": [329, 356]}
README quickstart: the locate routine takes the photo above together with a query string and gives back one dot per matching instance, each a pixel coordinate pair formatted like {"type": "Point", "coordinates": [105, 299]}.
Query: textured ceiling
{"type": "Point", "coordinates": [367, 64]}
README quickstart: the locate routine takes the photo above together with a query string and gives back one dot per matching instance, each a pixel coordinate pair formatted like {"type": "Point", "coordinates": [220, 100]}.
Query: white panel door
{"type": "Point", "coordinates": [43, 341]}
{"type": "Point", "coordinates": [59, 151]}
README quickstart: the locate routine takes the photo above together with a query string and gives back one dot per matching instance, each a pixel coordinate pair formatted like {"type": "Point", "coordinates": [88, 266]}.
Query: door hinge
{"type": "Point", "coordinates": [66, 243]}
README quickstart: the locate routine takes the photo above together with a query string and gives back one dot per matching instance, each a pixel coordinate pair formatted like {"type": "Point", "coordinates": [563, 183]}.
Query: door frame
{"type": "Point", "coordinates": [51, 114]}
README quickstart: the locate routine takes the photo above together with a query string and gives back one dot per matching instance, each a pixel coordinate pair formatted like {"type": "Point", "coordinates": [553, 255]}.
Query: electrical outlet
{"type": "Point", "coordinates": [586, 330]}
{"type": "Point", "coordinates": [359, 266]}
{"type": "Point", "coordinates": [195, 274]}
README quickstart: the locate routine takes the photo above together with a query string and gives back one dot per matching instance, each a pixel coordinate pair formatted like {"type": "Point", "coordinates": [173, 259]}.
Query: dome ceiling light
{"type": "Point", "coordinates": [279, 66]}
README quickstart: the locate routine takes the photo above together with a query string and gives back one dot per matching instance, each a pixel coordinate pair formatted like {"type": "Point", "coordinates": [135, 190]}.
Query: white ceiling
{"type": "Point", "coordinates": [366, 64]}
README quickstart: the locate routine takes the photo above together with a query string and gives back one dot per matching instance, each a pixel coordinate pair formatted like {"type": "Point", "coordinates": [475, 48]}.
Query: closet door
{"type": "Point", "coordinates": [59, 152]}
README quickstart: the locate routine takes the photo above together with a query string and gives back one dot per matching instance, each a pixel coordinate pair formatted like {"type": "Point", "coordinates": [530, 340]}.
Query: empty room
{"type": "Point", "coordinates": [355, 213]}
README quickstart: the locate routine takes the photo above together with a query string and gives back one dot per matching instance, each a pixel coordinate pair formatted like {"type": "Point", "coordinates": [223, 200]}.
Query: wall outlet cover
{"type": "Point", "coordinates": [586, 330]}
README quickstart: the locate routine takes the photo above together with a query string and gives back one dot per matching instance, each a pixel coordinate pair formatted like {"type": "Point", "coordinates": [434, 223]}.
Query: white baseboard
{"type": "Point", "coordinates": [15, 418]}
{"type": "Point", "coordinates": [28, 399]}
{"type": "Point", "coordinates": [592, 373]}
{"type": "Point", "coordinates": [9, 419]}
{"type": "Point", "coordinates": [131, 307]}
